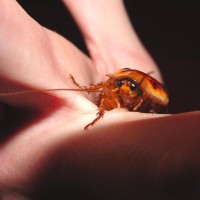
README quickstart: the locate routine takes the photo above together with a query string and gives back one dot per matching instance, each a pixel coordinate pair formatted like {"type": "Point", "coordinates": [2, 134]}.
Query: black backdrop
{"type": "Point", "coordinates": [170, 30]}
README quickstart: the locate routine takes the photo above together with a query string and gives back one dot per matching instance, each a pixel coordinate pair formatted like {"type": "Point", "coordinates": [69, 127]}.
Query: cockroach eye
{"type": "Point", "coordinates": [119, 82]}
{"type": "Point", "coordinates": [132, 86]}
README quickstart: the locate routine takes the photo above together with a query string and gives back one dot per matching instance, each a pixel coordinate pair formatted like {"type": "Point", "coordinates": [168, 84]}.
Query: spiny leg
{"type": "Point", "coordinates": [99, 115]}
{"type": "Point", "coordinates": [104, 104]}
{"type": "Point", "coordinates": [92, 87]}
{"type": "Point", "coordinates": [75, 83]}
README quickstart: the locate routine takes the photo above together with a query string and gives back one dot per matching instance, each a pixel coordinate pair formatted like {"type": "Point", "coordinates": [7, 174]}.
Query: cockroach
{"type": "Point", "coordinates": [126, 88]}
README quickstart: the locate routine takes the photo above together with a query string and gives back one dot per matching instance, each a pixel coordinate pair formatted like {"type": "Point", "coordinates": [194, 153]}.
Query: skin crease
{"type": "Point", "coordinates": [44, 152]}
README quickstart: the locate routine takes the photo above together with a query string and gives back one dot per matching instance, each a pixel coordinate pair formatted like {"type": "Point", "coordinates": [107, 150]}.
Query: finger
{"type": "Point", "coordinates": [18, 40]}
{"type": "Point", "coordinates": [110, 37]}
{"type": "Point", "coordinates": [32, 56]}
{"type": "Point", "coordinates": [24, 51]}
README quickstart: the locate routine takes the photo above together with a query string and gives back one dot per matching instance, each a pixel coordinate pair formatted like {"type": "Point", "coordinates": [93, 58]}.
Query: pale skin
{"type": "Point", "coordinates": [125, 154]}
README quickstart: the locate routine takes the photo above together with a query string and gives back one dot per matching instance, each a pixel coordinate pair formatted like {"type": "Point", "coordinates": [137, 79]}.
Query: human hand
{"type": "Point", "coordinates": [45, 153]}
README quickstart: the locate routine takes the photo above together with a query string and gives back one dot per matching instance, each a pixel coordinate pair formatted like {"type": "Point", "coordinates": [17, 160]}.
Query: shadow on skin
{"type": "Point", "coordinates": [18, 112]}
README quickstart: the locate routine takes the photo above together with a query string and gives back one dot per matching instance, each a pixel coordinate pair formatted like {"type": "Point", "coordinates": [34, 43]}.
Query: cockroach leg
{"type": "Point", "coordinates": [103, 105]}
{"type": "Point", "coordinates": [75, 83]}
{"type": "Point", "coordinates": [100, 114]}
{"type": "Point", "coordinates": [92, 87]}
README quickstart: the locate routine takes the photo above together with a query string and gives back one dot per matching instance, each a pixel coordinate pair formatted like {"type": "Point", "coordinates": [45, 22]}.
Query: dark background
{"type": "Point", "coordinates": [170, 31]}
